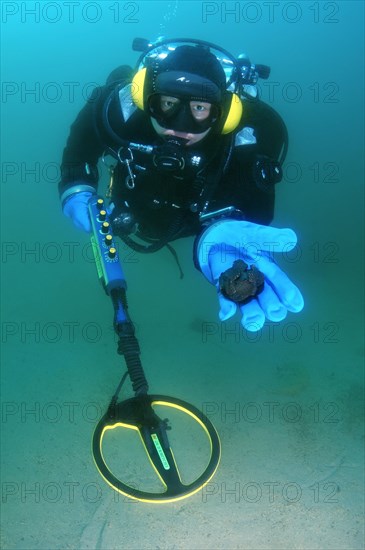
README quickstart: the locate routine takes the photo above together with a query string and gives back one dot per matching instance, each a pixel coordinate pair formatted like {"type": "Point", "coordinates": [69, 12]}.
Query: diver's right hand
{"type": "Point", "coordinates": [76, 208]}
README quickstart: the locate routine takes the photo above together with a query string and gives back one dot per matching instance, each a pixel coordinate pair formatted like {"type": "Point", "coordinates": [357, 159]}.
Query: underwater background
{"type": "Point", "coordinates": [287, 401]}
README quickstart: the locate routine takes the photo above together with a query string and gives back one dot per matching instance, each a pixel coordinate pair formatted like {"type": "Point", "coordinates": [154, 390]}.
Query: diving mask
{"type": "Point", "coordinates": [184, 102]}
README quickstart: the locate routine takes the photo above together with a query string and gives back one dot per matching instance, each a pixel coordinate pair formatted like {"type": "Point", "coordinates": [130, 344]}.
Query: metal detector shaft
{"type": "Point", "coordinates": [113, 280]}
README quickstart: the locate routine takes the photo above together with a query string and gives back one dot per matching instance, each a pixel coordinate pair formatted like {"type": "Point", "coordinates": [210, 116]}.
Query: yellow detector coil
{"type": "Point", "coordinates": [138, 413]}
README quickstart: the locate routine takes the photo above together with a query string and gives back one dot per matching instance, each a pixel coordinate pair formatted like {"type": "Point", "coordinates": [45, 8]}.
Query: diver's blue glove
{"type": "Point", "coordinates": [228, 240]}
{"type": "Point", "coordinates": [75, 206]}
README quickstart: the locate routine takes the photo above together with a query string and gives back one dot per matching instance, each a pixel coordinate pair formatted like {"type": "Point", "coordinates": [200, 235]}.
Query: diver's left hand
{"type": "Point", "coordinates": [230, 240]}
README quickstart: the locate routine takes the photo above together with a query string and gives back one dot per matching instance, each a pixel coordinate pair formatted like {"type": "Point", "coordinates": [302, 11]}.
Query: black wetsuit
{"type": "Point", "coordinates": [160, 200]}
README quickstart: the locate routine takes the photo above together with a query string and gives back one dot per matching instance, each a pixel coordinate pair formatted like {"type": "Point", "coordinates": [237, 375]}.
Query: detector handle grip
{"type": "Point", "coordinates": [107, 260]}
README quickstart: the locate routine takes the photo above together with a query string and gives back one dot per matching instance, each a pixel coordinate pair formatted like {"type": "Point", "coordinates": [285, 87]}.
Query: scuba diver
{"type": "Point", "coordinates": [197, 153]}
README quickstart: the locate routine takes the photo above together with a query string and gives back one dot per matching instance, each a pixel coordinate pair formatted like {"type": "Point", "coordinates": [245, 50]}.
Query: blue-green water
{"type": "Point", "coordinates": [288, 401]}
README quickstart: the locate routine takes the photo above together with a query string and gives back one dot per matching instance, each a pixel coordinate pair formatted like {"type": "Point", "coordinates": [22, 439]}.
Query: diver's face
{"type": "Point", "coordinates": [199, 110]}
